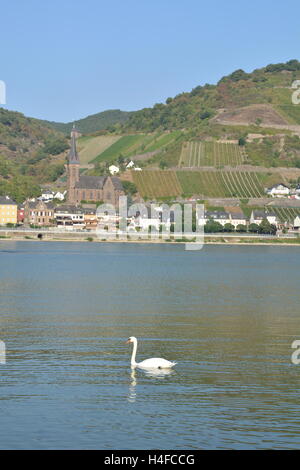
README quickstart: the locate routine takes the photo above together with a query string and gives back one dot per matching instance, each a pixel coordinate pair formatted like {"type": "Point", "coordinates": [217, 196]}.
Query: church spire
{"type": "Point", "coordinates": [73, 154]}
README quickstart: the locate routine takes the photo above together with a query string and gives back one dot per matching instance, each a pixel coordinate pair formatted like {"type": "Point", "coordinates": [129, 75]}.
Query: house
{"type": "Point", "coordinates": [237, 218]}
{"type": "Point", "coordinates": [144, 223]}
{"type": "Point", "coordinates": [21, 215]}
{"type": "Point", "coordinates": [130, 164]}
{"type": "Point", "coordinates": [221, 217]}
{"type": "Point", "coordinates": [38, 213]}
{"type": "Point", "coordinates": [257, 216]}
{"type": "Point", "coordinates": [69, 216]}
{"type": "Point", "coordinates": [137, 168]}
{"type": "Point", "coordinates": [90, 218]}
{"type": "Point", "coordinates": [152, 217]}
{"type": "Point", "coordinates": [113, 169]}
{"type": "Point", "coordinates": [8, 211]}
{"type": "Point", "coordinates": [47, 195]}
{"type": "Point", "coordinates": [278, 190]}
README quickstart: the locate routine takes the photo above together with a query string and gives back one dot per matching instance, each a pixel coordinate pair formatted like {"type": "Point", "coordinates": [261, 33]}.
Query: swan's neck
{"type": "Point", "coordinates": [133, 362]}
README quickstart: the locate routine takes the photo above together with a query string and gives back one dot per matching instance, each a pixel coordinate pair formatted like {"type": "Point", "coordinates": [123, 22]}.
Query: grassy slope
{"type": "Point", "coordinates": [90, 147]}
{"type": "Point", "coordinates": [109, 148]}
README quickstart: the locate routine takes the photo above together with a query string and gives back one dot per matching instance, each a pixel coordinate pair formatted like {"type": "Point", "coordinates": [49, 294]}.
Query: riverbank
{"type": "Point", "coordinates": [213, 239]}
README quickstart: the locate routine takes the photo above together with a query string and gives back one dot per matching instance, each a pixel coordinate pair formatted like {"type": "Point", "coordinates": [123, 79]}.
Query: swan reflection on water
{"type": "Point", "coordinates": [154, 373]}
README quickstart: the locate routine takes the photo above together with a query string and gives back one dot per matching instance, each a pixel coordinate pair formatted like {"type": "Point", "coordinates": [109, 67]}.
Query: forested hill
{"type": "Point", "coordinates": [30, 154]}
{"type": "Point", "coordinates": [92, 123]}
{"type": "Point", "coordinates": [270, 85]}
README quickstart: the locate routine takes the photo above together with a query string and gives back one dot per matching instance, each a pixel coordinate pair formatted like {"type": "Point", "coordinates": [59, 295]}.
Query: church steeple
{"type": "Point", "coordinates": [73, 168]}
{"type": "Point", "coordinates": [73, 154]}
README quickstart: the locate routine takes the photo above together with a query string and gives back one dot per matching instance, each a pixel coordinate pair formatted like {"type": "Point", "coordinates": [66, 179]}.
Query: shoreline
{"type": "Point", "coordinates": [232, 241]}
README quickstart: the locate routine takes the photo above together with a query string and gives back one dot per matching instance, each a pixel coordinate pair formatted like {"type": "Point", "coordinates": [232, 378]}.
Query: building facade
{"type": "Point", "coordinates": [38, 213]}
{"type": "Point", "coordinates": [8, 211]}
{"type": "Point", "coordinates": [69, 216]}
{"type": "Point", "coordinates": [89, 188]}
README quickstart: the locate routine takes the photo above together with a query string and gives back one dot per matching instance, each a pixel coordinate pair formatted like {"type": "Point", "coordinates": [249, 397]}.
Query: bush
{"type": "Point", "coordinates": [129, 187]}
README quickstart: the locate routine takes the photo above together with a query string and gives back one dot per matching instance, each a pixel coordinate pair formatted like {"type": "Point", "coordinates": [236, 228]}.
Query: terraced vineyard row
{"type": "Point", "coordinates": [214, 184]}
{"type": "Point", "coordinates": [157, 184]}
{"type": "Point", "coordinates": [286, 214]}
{"type": "Point", "coordinates": [221, 183]}
{"type": "Point", "coordinates": [197, 154]}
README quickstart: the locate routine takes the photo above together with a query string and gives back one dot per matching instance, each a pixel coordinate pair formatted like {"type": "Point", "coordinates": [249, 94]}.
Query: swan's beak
{"type": "Point", "coordinates": [128, 341]}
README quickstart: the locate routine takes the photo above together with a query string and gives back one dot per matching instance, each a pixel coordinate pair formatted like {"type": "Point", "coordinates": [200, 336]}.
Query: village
{"type": "Point", "coordinates": [82, 207]}
{"type": "Point", "coordinates": [44, 214]}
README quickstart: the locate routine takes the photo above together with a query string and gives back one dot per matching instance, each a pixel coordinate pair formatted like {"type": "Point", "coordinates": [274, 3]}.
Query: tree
{"type": "Point", "coordinates": [212, 226]}
{"type": "Point", "coordinates": [228, 227]}
{"type": "Point", "coordinates": [55, 145]}
{"type": "Point", "coordinates": [163, 164]}
{"type": "Point", "coordinates": [129, 187]}
{"type": "Point", "coordinates": [266, 228]}
{"type": "Point", "coordinates": [205, 115]}
{"type": "Point", "coordinates": [121, 159]}
{"type": "Point", "coordinates": [241, 228]}
{"type": "Point", "coordinates": [253, 228]}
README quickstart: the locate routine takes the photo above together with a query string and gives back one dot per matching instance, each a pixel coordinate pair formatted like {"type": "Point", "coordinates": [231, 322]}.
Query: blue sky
{"type": "Point", "coordinates": [62, 59]}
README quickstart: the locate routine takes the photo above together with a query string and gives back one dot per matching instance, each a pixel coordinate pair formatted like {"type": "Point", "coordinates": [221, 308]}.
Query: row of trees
{"type": "Point", "coordinates": [264, 228]}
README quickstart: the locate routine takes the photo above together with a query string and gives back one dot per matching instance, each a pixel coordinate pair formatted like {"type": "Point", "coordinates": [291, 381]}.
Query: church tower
{"type": "Point", "coordinates": [73, 168]}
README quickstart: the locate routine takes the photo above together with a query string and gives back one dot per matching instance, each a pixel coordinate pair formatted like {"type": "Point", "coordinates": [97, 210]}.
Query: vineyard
{"type": "Point", "coordinates": [221, 184]}
{"type": "Point", "coordinates": [286, 214]}
{"type": "Point", "coordinates": [157, 184]}
{"type": "Point", "coordinates": [214, 184]}
{"type": "Point", "coordinates": [198, 154]}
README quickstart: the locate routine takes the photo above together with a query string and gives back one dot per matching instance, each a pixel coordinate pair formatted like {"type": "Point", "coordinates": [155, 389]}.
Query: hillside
{"type": "Point", "coordinates": [30, 154]}
{"type": "Point", "coordinates": [270, 86]}
{"type": "Point", "coordinates": [227, 140]}
{"type": "Point", "coordinates": [92, 123]}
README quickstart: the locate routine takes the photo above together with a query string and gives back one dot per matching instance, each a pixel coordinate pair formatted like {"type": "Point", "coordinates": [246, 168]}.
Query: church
{"type": "Point", "coordinates": [89, 188]}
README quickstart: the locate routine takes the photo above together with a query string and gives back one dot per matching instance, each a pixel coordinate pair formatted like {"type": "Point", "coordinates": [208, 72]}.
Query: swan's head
{"type": "Point", "coordinates": [131, 339]}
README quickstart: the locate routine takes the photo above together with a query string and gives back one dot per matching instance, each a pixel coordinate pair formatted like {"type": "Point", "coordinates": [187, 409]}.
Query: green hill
{"type": "Point", "coordinates": [30, 154]}
{"type": "Point", "coordinates": [270, 86]}
{"type": "Point", "coordinates": [92, 123]}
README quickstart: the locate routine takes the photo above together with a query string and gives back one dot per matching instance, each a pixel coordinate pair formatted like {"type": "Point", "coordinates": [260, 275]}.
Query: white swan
{"type": "Point", "coordinates": [153, 363]}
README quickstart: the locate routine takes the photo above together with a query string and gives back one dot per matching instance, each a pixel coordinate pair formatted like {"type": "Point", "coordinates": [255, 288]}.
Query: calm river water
{"type": "Point", "coordinates": [226, 314]}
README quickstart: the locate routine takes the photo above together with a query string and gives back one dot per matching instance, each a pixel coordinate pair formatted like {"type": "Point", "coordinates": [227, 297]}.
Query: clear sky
{"type": "Point", "coordinates": [64, 59]}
